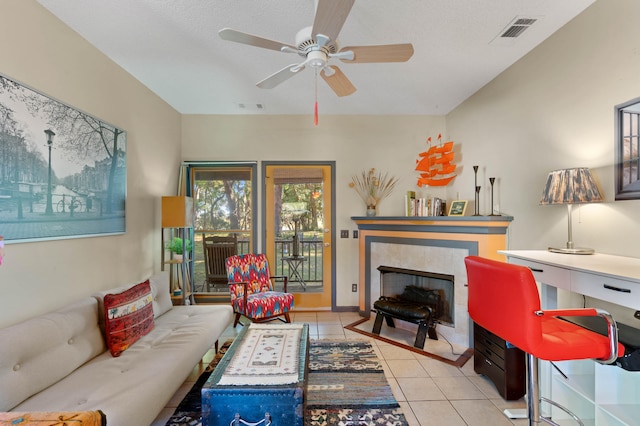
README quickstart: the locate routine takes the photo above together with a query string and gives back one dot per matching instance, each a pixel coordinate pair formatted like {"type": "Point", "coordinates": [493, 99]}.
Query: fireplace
{"type": "Point", "coordinates": [435, 244]}
{"type": "Point", "coordinates": [399, 282]}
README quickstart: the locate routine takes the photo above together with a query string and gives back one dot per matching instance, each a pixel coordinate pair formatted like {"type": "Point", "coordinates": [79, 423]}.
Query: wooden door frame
{"type": "Point", "coordinates": [332, 232]}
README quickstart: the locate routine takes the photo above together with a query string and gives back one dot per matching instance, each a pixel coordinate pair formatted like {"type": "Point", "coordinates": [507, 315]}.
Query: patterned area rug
{"type": "Point", "coordinates": [346, 387]}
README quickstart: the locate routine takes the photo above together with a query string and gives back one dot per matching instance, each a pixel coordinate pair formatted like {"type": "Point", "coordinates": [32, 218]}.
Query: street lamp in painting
{"type": "Point", "coordinates": [50, 135]}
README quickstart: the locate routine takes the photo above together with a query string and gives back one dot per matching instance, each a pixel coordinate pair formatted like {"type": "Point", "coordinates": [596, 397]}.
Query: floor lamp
{"type": "Point", "coordinates": [178, 213]}
{"type": "Point", "coordinates": [571, 186]}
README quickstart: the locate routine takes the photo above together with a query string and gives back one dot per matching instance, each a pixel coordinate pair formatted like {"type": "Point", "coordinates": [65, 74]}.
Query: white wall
{"type": "Point", "coordinates": [39, 51]}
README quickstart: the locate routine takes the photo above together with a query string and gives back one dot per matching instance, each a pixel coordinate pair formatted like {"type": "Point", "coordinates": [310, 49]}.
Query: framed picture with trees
{"type": "Point", "coordinates": [61, 169]}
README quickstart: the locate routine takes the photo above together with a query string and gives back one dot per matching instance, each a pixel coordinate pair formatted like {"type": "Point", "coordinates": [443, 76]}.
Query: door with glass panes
{"type": "Point", "coordinates": [298, 229]}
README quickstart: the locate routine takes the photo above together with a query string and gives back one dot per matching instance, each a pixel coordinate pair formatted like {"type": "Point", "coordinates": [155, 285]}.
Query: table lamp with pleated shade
{"type": "Point", "coordinates": [571, 186]}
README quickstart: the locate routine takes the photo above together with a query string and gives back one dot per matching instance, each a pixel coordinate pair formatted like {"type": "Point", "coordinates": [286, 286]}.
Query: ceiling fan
{"type": "Point", "coordinates": [318, 44]}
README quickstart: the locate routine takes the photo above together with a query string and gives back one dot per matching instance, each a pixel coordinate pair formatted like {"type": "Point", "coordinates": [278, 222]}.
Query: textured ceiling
{"type": "Point", "coordinates": [173, 48]}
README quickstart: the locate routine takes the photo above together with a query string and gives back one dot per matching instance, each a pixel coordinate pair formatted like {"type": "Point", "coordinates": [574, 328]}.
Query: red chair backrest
{"type": "Point", "coordinates": [251, 268]}
{"type": "Point", "coordinates": [503, 298]}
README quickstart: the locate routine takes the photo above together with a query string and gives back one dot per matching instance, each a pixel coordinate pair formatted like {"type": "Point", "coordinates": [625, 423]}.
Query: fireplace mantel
{"type": "Point", "coordinates": [447, 224]}
{"type": "Point", "coordinates": [433, 243]}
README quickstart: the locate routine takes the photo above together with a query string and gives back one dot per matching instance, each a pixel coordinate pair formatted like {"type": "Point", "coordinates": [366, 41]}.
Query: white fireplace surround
{"type": "Point", "coordinates": [441, 260]}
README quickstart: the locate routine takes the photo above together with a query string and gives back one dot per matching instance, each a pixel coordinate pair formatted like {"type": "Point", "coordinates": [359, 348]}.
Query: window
{"type": "Point", "coordinates": [627, 167]}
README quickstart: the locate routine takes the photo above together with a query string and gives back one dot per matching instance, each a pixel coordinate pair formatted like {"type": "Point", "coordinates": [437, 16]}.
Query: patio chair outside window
{"type": "Point", "coordinates": [216, 250]}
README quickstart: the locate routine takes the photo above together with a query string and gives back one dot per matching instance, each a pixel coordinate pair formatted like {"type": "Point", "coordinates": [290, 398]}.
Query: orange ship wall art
{"type": "Point", "coordinates": [436, 164]}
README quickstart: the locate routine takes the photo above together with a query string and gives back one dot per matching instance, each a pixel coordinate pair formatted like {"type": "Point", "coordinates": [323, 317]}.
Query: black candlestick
{"type": "Point", "coordinates": [477, 213]}
{"type": "Point", "coordinates": [477, 188]}
{"type": "Point", "coordinates": [492, 180]}
{"type": "Point", "coordinates": [475, 179]}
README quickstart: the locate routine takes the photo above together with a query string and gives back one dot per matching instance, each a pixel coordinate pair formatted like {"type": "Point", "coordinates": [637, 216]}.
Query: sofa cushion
{"type": "Point", "coordinates": [161, 293]}
{"type": "Point", "coordinates": [37, 353]}
{"type": "Point", "coordinates": [128, 317]}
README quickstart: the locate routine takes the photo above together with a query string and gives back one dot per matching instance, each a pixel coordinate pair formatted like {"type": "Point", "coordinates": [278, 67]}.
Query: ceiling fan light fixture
{"type": "Point", "coordinates": [317, 59]}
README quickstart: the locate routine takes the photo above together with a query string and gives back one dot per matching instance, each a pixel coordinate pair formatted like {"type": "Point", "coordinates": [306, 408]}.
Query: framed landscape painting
{"type": "Point", "coordinates": [62, 171]}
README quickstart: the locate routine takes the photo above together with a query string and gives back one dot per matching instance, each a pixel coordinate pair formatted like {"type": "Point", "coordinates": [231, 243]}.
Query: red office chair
{"type": "Point", "coordinates": [504, 299]}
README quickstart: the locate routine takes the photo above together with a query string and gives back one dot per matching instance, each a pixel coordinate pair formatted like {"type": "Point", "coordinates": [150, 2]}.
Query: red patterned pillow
{"type": "Point", "coordinates": [128, 317]}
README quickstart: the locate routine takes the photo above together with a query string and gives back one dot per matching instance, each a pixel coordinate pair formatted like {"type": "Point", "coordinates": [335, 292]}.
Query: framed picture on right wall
{"type": "Point", "coordinates": [627, 146]}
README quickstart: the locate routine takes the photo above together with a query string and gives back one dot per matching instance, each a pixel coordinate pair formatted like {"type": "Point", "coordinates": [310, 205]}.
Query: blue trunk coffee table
{"type": "Point", "coordinates": [262, 378]}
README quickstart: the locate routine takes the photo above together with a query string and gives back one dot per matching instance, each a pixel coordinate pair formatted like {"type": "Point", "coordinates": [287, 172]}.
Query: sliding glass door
{"type": "Point", "coordinates": [224, 202]}
{"type": "Point", "coordinates": [296, 218]}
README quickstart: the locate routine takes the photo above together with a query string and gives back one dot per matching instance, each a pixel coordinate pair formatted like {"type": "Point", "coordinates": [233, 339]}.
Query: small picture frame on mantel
{"type": "Point", "coordinates": [457, 208]}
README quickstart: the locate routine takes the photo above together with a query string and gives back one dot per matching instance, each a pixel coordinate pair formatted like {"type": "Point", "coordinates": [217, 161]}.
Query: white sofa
{"type": "Point", "coordinates": [60, 362]}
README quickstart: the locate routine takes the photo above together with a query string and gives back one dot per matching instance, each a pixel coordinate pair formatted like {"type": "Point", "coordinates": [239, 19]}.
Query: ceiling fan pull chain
{"type": "Point", "coordinates": [315, 106]}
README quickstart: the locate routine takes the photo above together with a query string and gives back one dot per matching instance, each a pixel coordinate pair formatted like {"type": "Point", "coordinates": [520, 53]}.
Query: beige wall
{"type": "Point", "coordinates": [551, 110]}
{"type": "Point", "coordinates": [39, 51]}
{"type": "Point", "coordinates": [554, 109]}
{"type": "Point", "coordinates": [388, 143]}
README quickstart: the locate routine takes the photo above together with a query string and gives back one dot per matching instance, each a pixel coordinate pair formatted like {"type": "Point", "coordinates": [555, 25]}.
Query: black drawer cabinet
{"type": "Point", "coordinates": [501, 362]}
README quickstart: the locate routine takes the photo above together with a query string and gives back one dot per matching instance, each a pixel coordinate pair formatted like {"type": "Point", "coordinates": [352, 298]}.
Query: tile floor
{"type": "Point", "coordinates": [430, 392]}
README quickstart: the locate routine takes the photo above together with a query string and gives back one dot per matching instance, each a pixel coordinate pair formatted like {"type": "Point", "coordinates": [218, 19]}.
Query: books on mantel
{"type": "Point", "coordinates": [423, 206]}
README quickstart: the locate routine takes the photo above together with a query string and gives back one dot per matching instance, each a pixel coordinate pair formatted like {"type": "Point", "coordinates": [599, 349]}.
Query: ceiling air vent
{"type": "Point", "coordinates": [514, 29]}
{"type": "Point", "coordinates": [251, 106]}
{"type": "Point", "coordinates": [518, 27]}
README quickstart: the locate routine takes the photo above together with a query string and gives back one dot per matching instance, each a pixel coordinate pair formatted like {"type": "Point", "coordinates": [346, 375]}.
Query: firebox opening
{"type": "Point", "coordinates": [397, 282]}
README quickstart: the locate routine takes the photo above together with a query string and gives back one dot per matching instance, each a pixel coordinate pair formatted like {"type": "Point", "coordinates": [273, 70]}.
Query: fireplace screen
{"type": "Point", "coordinates": [412, 284]}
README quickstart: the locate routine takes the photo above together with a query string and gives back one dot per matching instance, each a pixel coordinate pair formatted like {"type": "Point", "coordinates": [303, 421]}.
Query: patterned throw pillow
{"type": "Point", "coordinates": [128, 317]}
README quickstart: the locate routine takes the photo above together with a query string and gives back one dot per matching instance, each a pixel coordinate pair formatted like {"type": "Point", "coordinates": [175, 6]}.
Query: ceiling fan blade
{"type": "Point", "coordinates": [279, 77]}
{"type": "Point", "coordinates": [379, 53]}
{"type": "Point", "coordinates": [330, 17]}
{"type": "Point", "coordinates": [252, 40]}
{"type": "Point", "coordinates": [338, 82]}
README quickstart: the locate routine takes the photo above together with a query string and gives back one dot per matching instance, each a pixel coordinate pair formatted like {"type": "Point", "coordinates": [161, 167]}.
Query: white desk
{"type": "Point", "coordinates": [598, 394]}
